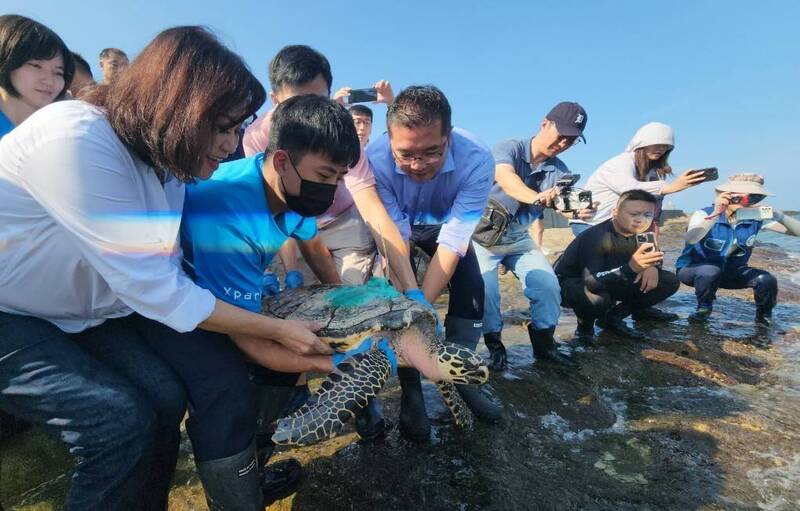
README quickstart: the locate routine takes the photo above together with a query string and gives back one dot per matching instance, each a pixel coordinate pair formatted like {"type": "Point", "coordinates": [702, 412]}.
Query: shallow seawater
{"type": "Point", "coordinates": [696, 417]}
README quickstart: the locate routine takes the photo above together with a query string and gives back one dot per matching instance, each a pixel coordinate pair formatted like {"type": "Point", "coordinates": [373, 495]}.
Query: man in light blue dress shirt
{"type": "Point", "coordinates": [434, 181]}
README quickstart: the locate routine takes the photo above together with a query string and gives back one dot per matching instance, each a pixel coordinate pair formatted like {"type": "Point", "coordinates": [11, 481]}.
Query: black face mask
{"type": "Point", "coordinates": [314, 199]}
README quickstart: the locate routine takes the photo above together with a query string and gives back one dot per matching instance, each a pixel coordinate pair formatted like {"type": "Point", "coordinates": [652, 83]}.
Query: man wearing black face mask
{"type": "Point", "coordinates": [233, 224]}
{"type": "Point", "coordinates": [314, 198]}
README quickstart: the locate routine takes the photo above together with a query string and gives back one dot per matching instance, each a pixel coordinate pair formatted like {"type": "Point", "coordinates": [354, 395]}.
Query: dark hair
{"type": "Point", "coordinates": [640, 195]}
{"type": "Point", "coordinates": [166, 107]}
{"type": "Point", "coordinates": [21, 40]}
{"type": "Point", "coordinates": [296, 65]}
{"type": "Point", "coordinates": [80, 63]}
{"type": "Point", "coordinates": [313, 124]}
{"type": "Point", "coordinates": [420, 105]}
{"type": "Point", "coordinates": [644, 164]}
{"type": "Point", "coordinates": [361, 110]}
{"type": "Point", "coordinates": [108, 52]}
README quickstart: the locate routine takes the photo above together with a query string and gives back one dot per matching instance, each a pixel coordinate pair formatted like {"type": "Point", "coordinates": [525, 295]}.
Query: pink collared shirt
{"type": "Point", "coordinates": [358, 177]}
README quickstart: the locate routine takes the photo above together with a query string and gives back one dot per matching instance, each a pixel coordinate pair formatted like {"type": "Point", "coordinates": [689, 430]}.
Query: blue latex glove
{"type": "Point", "coordinates": [366, 345]}
{"type": "Point", "coordinates": [418, 296]}
{"type": "Point", "coordinates": [384, 346]}
{"type": "Point", "coordinates": [293, 279]}
{"type": "Point", "coordinates": [340, 356]}
{"type": "Point", "coordinates": [269, 284]}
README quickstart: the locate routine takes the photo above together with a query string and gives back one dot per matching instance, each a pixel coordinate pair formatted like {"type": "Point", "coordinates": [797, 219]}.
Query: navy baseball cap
{"type": "Point", "coordinates": [570, 119]}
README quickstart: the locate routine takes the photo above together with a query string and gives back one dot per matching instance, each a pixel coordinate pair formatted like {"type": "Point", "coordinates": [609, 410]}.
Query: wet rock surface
{"type": "Point", "coordinates": [695, 417]}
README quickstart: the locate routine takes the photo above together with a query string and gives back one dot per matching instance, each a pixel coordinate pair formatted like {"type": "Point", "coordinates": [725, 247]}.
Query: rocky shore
{"type": "Point", "coordinates": [692, 418]}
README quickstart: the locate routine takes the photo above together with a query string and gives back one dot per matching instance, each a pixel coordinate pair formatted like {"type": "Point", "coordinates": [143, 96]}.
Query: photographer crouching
{"type": "Point", "coordinates": [720, 240]}
{"type": "Point", "coordinates": [615, 261]}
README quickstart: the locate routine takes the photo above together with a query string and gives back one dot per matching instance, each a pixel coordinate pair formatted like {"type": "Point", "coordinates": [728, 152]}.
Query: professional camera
{"type": "Point", "coordinates": [570, 198]}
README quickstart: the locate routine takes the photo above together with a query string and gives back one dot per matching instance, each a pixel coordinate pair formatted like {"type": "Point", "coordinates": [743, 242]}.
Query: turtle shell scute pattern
{"type": "Point", "coordinates": [343, 327]}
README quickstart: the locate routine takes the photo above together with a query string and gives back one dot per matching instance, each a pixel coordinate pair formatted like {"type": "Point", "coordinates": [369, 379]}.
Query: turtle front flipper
{"type": "Point", "coordinates": [458, 407]}
{"type": "Point", "coordinates": [346, 390]}
{"type": "Point", "coordinates": [462, 365]}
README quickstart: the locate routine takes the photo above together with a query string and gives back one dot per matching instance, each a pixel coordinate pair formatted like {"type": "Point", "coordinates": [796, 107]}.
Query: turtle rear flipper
{"type": "Point", "coordinates": [458, 407]}
{"type": "Point", "coordinates": [346, 390]}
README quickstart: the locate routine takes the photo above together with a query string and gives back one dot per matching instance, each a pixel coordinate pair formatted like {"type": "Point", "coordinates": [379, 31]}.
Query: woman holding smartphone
{"type": "Point", "coordinates": [91, 195]}
{"type": "Point", "coordinates": [643, 165]}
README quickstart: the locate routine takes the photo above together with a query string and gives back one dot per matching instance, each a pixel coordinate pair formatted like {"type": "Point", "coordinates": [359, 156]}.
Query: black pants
{"type": "Point", "coordinates": [222, 399]}
{"type": "Point", "coordinates": [466, 284]}
{"type": "Point", "coordinates": [603, 297]}
{"type": "Point", "coordinates": [707, 278]}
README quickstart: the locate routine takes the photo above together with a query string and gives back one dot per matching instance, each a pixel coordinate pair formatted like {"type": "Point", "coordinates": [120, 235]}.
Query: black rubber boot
{"type": "Point", "coordinates": [273, 403]}
{"type": "Point", "coordinates": [480, 398]}
{"type": "Point", "coordinates": [613, 322]}
{"type": "Point", "coordinates": [280, 480]}
{"type": "Point", "coordinates": [544, 347]}
{"type": "Point", "coordinates": [370, 424]}
{"type": "Point", "coordinates": [763, 318]}
{"type": "Point", "coordinates": [497, 352]}
{"type": "Point", "coordinates": [653, 314]}
{"type": "Point", "coordinates": [700, 315]}
{"type": "Point", "coordinates": [585, 331]}
{"type": "Point", "coordinates": [235, 482]}
{"type": "Point", "coordinates": [414, 422]}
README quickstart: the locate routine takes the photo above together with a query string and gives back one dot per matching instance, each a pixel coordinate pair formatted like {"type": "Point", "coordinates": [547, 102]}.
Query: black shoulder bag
{"type": "Point", "coordinates": [493, 224]}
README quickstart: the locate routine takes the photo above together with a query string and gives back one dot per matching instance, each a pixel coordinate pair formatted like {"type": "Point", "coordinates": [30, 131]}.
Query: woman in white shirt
{"type": "Point", "coordinates": [643, 165]}
{"type": "Point", "coordinates": [90, 202]}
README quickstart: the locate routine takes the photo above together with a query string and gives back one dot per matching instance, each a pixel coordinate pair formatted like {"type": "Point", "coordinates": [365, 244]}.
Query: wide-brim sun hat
{"type": "Point", "coordinates": [744, 183]}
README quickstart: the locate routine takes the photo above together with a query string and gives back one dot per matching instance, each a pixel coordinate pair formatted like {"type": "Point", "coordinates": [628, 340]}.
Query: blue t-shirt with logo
{"type": "Point", "coordinates": [229, 235]}
{"type": "Point", "coordinates": [5, 125]}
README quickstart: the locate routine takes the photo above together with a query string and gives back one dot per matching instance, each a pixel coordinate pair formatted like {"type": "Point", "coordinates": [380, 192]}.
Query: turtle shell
{"type": "Point", "coordinates": [347, 314]}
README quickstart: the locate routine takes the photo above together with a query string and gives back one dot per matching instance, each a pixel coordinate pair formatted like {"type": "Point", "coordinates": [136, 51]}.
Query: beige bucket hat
{"type": "Point", "coordinates": [744, 183]}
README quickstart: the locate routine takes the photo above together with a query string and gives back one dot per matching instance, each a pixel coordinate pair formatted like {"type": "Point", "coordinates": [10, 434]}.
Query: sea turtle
{"type": "Point", "coordinates": [349, 314]}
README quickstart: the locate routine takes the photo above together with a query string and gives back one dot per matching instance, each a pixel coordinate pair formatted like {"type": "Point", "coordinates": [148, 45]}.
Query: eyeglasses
{"type": "Point", "coordinates": [425, 158]}
{"type": "Point", "coordinates": [568, 141]}
{"type": "Point", "coordinates": [638, 214]}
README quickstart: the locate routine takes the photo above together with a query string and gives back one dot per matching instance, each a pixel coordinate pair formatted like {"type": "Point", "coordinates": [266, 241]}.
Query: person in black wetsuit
{"type": "Point", "coordinates": [603, 266]}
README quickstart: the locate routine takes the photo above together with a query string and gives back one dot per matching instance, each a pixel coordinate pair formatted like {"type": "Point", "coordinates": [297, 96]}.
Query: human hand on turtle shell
{"type": "Point", "coordinates": [269, 284]}
{"type": "Point", "coordinates": [299, 337]}
{"type": "Point", "coordinates": [293, 279]}
{"type": "Point", "coordinates": [418, 296]}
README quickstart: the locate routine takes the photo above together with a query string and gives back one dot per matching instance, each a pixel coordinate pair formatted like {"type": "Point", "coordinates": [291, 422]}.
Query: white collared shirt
{"type": "Point", "coordinates": [87, 230]}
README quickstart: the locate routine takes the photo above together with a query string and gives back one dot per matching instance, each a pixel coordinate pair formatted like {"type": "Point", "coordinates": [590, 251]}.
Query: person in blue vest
{"type": "Point", "coordinates": [720, 241]}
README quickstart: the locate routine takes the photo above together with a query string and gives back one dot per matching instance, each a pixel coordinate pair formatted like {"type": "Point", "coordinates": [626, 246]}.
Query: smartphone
{"type": "Point", "coordinates": [647, 237]}
{"type": "Point", "coordinates": [709, 174]}
{"type": "Point", "coordinates": [757, 213]}
{"type": "Point", "coordinates": [362, 96]}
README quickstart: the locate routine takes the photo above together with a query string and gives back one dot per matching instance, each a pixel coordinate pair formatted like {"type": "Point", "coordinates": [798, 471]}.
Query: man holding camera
{"type": "Point", "coordinates": [719, 243]}
{"type": "Point", "coordinates": [606, 273]}
{"type": "Point", "coordinates": [434, 181]}
{"type": "Point", "coordinates": [527, 173]}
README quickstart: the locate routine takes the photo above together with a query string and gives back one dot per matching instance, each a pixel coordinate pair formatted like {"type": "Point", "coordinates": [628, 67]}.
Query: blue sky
{"type": "Point", "coordinates": [724, 74]}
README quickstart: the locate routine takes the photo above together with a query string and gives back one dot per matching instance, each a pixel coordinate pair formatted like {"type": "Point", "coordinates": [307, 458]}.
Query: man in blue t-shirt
{"type": "Point", "coordinates": [525, 177]}
{"type": "Point", "coordinates": [232, 226]}
{"type": "Point", "coordinates": [434, 181]}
